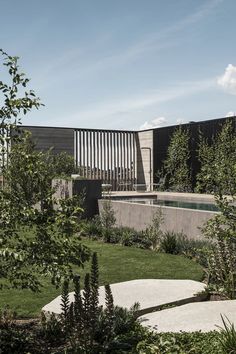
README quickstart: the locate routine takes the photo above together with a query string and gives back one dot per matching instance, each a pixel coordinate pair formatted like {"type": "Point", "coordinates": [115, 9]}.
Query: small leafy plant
{"type": "Point", "coordinates": [108, 219]}
{"type": "Point", "coordinates": [154, 233]}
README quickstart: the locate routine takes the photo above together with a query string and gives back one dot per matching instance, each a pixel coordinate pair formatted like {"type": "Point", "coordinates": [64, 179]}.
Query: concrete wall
{"type": "Point", "coordinates": [139, 216]}
{"type": "Point", "coordinates": [89, 190]}
{"type": "Point", "coordinates": [144, 157]}
{"type": "Point", "coordinates": [63, 188]}
{"type": "Point", "coordinates": [60, 139]}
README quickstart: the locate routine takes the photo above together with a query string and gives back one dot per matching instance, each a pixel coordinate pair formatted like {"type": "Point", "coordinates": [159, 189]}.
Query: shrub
{"type": "Point", "coordinates": [88, 328]}
{"type": "Point", "coordinates": [221, 231]}
{"type": "Point", "coordinates": [153, 233]}
{"type": "Point", "coordinates": [178, 243]}
{"type": "Point", "coordinates": [13, 340]}
{"type": "Point", "coordinates": [180, 343]}
{"type": "Point", "coordinates": [228, 337]}
{"type": "Point", "coordinates": [92, 228]}
{"type": "Point", "coordinates": [131, 237]}
{"type": "Point", "coordinates": [108, 219]}
{"type": "Point", "coordinates": [170, 243]}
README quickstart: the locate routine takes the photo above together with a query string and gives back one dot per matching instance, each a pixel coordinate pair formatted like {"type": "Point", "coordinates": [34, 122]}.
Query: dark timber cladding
{"type": "Point", "coordinates": [59, 139]}
{"type": "Point", "coordinates": [108, 155]}
{"type": "Point", "coordinates": [162, 136]}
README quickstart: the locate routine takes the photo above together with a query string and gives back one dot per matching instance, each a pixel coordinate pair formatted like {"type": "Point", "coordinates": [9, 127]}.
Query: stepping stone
{"type": "Point", "coordinates": [200, 316]}
{"type": "Point", "coordinates": [149, 293]}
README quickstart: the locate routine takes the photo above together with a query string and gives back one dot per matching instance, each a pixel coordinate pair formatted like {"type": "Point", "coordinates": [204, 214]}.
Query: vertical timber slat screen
{"type": "Point", "coordinates": [107, 155]}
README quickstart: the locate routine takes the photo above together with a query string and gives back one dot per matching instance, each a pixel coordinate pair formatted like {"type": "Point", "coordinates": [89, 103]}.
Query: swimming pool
{"type": "Point", "coordinates": [172, 203]}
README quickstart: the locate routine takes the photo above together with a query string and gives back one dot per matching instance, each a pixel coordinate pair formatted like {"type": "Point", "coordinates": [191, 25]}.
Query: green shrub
{"type": "Point", "coordinates": [131, 237]}
{"type": "Point", "coordinates": [92, 228]}
{"type": "Point", "coordinates": [178, 243]}
{"type": "Point", "coordinates": [13, 340]}
{"type": "Point", "coordinates": [89, 328]}
{"type": "Point", "coordinates": [169, 243]}
{"type": "Point", "coordinates": [221, 258]}
{"type": "Point", "coordinates": [153, 233]}
{"type": "Point", "coordinates": [228, 337]}
{"type": "Point", "coordinates": [181, 343]}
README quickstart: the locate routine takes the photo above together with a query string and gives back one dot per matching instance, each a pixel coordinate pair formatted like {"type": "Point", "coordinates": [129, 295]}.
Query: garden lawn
{"type": "Point", "coordinates": [116, 264]}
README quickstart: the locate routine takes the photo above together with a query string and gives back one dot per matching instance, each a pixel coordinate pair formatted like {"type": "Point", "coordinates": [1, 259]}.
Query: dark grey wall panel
{"type": "Point", "coordinates": [60, 139]}
{"type": "Point", "coordinates": [162, 137]}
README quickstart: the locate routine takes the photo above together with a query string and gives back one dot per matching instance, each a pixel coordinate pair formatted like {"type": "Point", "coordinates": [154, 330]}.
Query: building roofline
{"type": "Point", "coordinates": [131, 131]}
{"type": "Point", "coordinates": [188, 123]}
{"type": "Point", "coordinates": [72, 128]}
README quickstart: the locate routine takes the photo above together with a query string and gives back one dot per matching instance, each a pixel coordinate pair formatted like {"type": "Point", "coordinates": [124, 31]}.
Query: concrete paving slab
{"type": "Point", "coordinates": [149, 293]}
{"type": "Point", "coordinates": [200, 316]}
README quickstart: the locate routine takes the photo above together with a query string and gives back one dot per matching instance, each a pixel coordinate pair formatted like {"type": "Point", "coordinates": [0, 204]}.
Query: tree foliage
{"type": "Point", "coordinates": [36, 239]}
{"type": "Point", "coordinates": [218, 162]}
{"type": "Point", "coordinates": [108, 219]}
{"type": "Point", "coordinates": [15, 100]}
{"type": "Point", "coordinates": [63, 164]}
{"type": "Point", "coordinates": [221, 229]}
{"type": "Point", "coordinates": [176, 166]}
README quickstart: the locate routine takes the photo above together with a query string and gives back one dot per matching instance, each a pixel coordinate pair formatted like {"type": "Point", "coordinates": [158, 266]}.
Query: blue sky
{"type": "Point", "coordinates": [124, 64]}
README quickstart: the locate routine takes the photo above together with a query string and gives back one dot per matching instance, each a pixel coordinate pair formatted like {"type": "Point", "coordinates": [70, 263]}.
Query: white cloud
{"type": "Point", "coordinates": [230, 114]}
{"type": "Point", "coordinates": [155, 123]}
{"type": "Point", "coordinates": [180, 121]}
{"type": "Point", "coordinates": [228, 80]}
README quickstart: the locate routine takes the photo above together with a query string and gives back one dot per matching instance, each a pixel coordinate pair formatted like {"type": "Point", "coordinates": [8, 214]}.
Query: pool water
{"type": "Point", "coordinates": [173, 203]}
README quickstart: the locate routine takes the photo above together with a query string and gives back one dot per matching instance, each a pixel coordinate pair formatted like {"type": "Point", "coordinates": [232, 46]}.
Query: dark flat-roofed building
{"type": "Point", "coordinates": [121, 158]}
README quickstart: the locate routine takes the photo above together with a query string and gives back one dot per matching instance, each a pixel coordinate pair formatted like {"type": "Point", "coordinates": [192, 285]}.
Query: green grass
{"type": "Point", "coordinates": [116, 264]}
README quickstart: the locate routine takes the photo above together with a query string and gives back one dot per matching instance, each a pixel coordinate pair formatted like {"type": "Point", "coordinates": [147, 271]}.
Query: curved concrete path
{"type": "Point", "coordinates": [149, 293]}
{"type": "Point", "coordinates": [201, 316]}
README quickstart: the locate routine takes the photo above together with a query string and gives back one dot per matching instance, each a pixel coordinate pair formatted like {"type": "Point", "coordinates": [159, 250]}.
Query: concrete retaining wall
{"type": "Point", "coordinates": [139, 216]}
{"type": "Point", "coordinates": [89, 190]}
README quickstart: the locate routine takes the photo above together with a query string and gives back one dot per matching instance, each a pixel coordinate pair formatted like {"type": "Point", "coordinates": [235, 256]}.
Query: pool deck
{"type": "Point", "coordinates": [204, 198]}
